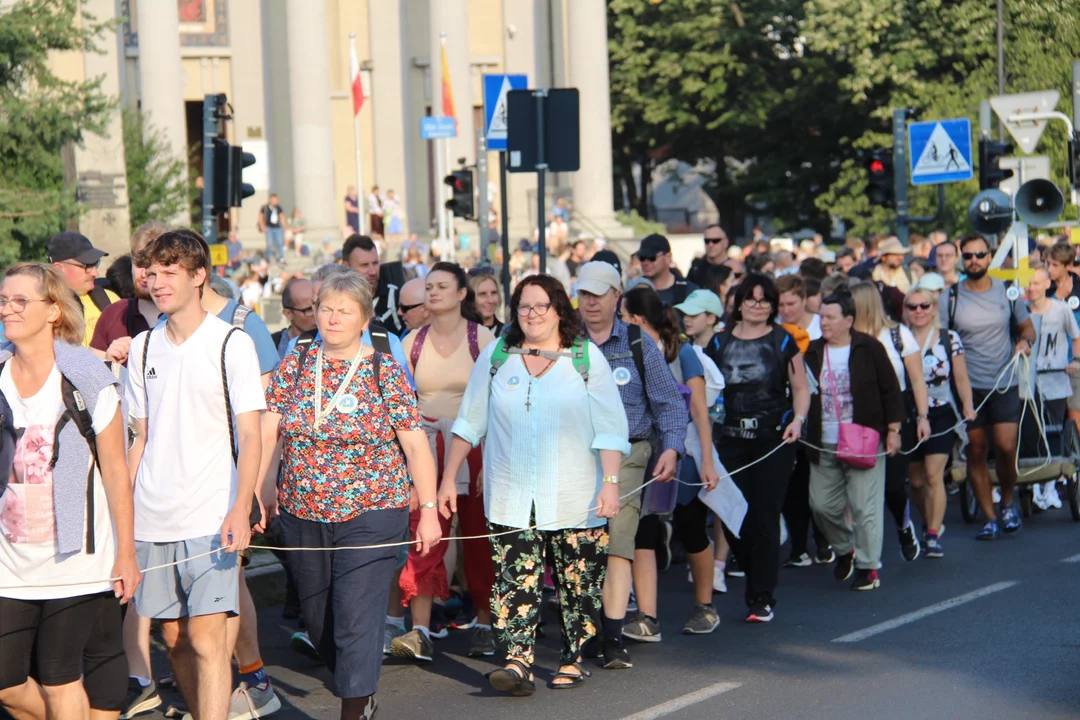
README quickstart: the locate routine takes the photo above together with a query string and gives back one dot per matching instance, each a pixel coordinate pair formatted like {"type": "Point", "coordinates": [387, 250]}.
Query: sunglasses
{"type": "Point", "coordinates": [406, 308]}
{"type": "Point", "coordinates": [85, 266]}
{"type": "Point", "coordinates": [979, 255]}
{"type": "Point", "coordinates": [713, 241]}
{"type": "Point", "coordinates": [912, 307]}
{"type": "Point", "coordinates": [479, 271]}
{"type": "Point", "coordinates": [647, 258]}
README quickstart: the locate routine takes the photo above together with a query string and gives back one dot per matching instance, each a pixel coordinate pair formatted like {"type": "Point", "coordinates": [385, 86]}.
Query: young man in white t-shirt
{"type": "Point", "coordinates": [192, 501]}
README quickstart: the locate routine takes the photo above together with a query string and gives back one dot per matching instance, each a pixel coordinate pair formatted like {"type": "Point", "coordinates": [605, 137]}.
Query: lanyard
{"type": "Point", "coordinates": [321, 414]}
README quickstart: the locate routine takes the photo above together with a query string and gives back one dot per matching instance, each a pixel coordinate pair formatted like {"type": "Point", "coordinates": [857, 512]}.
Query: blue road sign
{"type": "Point", "coordinates": [437, 128]}
{"type": "Point", "coordinates": [495, 113]}
{"type": "Point", "coordinates": [940, 151]}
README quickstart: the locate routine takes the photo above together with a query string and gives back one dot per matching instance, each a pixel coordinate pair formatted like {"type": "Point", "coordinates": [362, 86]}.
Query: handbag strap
{"type": "Point", "coordinates": [832, 385]}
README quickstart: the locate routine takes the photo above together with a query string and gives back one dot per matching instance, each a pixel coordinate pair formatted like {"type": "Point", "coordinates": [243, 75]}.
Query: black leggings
{"type": "Point", "coordinates": [689, 525]}
{"type": "Point", "coordinates": [797, 507]}
{"type": "Point", "coordinates": [59, 641]}
{"type": "Point", "coordinates": [896, 497]}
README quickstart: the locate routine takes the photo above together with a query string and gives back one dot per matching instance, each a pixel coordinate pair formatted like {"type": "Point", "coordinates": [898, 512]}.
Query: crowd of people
{"type": "Point", "coordinates": [575, 440]}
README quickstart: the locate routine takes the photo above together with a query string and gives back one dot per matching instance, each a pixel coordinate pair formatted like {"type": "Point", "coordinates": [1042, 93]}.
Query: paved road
{"type": "Point", "coordinates": [1003, 644]}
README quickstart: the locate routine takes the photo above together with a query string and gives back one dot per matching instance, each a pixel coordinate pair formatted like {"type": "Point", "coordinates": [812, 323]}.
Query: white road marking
{"type": "Point", "coordinates": [925, 612]}
{"type": "Point", "coordinates": [671, 706]}
{"type": "Point", "coordinates": [1071, 559]}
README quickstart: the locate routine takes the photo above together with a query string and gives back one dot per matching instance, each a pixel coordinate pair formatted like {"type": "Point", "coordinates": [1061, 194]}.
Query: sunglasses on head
{"type": "Point", "coordinates": [980, 255]}
{"type": "Point", "coordinates": [912, 307]}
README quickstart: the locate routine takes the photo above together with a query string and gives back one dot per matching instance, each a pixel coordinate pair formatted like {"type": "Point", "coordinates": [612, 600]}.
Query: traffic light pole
{"type": "Point", "coordinates": [900, 181]}
{"type": "Point", "coordinates": [210, 133]}
{"type": "Point", "coordinates": [541, 169]}
{"type": "Point", "coordinates": [504, 220]}
{"type": "Point", "coordinates": [482, 197]}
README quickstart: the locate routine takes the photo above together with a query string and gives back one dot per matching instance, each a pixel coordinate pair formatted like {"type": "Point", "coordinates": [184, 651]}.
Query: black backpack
{"type": "Point", "coordinates": [380, 340]}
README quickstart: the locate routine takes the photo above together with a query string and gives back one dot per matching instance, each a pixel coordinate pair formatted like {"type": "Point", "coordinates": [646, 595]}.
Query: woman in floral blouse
{"type": "Point", "coordinates": [351, 439]}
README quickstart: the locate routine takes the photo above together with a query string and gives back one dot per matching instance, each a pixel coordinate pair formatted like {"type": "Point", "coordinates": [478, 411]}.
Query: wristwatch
{"type": "Point", "coordinates": [613, 479]}
{"type": "Point", "coordinates": [429, 505]}
{"type": "Point", "coordinates": [801, 418]}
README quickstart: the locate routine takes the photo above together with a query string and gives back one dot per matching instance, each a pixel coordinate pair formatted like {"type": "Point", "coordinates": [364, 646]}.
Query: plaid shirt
{"type": "Point", "coordinates": [665, 410]}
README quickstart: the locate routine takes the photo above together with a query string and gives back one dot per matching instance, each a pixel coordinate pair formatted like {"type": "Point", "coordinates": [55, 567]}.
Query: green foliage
{"type": "Point", "coordinates": [155, 179]}
{"type": "Point", "coordinates": [40, 115]}
{"type": "Point", "coordinates": [640, 225]}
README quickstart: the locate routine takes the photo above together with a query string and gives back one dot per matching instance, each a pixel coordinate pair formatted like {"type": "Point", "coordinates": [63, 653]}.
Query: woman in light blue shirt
{"type": "Point", "coordinates": [545, 401]}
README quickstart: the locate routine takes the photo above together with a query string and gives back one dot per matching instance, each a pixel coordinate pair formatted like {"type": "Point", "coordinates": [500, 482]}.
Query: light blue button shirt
{"type": "Point", "coordinates": [546, 455]}
{"type": "Point", "coordinates": [396, 351]}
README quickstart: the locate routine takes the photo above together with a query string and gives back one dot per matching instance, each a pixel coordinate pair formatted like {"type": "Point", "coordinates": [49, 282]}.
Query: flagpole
{"type": "Point", "coordinates": [361, 195]}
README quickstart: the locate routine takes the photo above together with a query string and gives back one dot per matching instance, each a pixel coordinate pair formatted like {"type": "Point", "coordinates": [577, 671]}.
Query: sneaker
{"type": "Point", "coordinates": [866, 580]}
{"type": "Point", "coordinates": [719, 583]}
{"type": "Point", "coordinates": [663, 549]}
{"type": "Point", "coordinates": [801, 560]}
{"type": "Point", "coordinates": [733, 569]}
{"type": "Point", "coordinates": [616, 657]}
{"type": "Point", "coordinates": [703, 620]}
{"type": "Point", "coordinates": [909, 543]}
{"type": "Point", "coordinates": [951, 488]}
{"type": "Point", "coordinates": [760, 612]}
{"type": "Point", "coordinates": [1051, 496]}
{"type": "Point", "coordinates": [825, 555]}
{"type": "Point", "coordinates": [933, 547]}
{"type": "Point", "coordinates": [642, 629]}
{"type": "Point", "coordinates": [301, 643]}
{"type": "Point", "coordinates": [845, 565]}
{"type": "Point", "coordinates": [250, 702]}
{"type": "Point", "coordinates": [389, 633]}
{"type": "Point", "coordinates": [990, 531]}
{"type": "Point", "coordinates": [482, 643]}
{"type": "Point", "coordinates": [413, 645]}
{"type": "Point", "coordinates": [1010, 519]}
{"type": "Point", "coordinates": [996, 495]}
{"type": "Point", "coordinates": [438, 632]}
{"type": "Point", "coordinates": [139, 699]}
{"type": "Point", "coordinates": [1038, 499]}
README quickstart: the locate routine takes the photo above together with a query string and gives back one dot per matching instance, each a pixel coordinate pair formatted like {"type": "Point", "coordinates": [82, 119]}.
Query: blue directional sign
{"type": "Point", "coordinates": [495, 113]}
{"type": "Point", "coordinates": [940, 151]}
{"type": "Point", "coordinates": [437, 128]}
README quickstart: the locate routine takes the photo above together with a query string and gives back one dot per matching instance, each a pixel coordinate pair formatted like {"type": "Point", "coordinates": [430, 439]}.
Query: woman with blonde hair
{"type": "Point", "coordinates": [488, 298]}
{"type": "Point", "coordinates": [903, 352]}
{"type": "Point", "coordinates": [942, 359]}
{"type": "Point", "coordinates": [66, 516]}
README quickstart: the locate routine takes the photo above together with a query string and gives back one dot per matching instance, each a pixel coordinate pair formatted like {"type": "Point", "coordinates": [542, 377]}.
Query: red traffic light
{"type": "Point", "coordinates": [877, 167]}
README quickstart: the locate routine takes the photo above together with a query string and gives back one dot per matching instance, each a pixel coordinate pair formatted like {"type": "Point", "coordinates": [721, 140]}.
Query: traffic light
{"type": "Point", "coordinates": [990, 153]}
{"type": "Point", "coordinates": [238, 189]}
{"type": "Point", "coordinates": [222, 157]}
{"type": "Point", "coordinates": [1074, 160]}
{"type": "Point", "coordinates": [879, 182]}
{"type": "Point", "coordinates": [462, 205]}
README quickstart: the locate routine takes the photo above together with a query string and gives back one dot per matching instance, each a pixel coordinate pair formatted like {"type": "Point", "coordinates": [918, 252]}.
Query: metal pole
{"type": "Point", "coordinates": [541, 167]}
{"type": "Point", "coordinates": [1076, 93]}
{"type": "Point", "coordinates": [451, 242]}
{"type": "Point", "coordinates": [360, 202]}
{"type": "Point", "coordinates": [440, 197]}
{"type": "Point", "coordinates": [505, 222]}
{"type": "Point", "coordinates": [900, 173]}
{"type": "Point", "coordinates": [210, 132]}
{"type": "Point", "coordinates": [482, 197]}
{"type": "Point", "coordinates": [1001, 59]}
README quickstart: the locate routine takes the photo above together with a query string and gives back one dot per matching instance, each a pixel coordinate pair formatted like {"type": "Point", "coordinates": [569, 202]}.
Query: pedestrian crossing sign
{"type": "Point", "coordinates": [940, 151]}
{"type": "Point", "coordinates": [495, 109]}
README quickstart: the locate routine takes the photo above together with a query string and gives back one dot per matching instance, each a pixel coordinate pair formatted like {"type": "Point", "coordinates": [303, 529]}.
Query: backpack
{"type": "Point", "coordinates": [276, 337]}
{"type": "Point", "coordinates": [380, 340]}
{"type": "Point", "coordinates": [954, 294]}
{"type": "Point", "coordinates": [421, 336]}
{"type": "Point", "coordinates": [74, 410]}
{"type": "Point", "coordinates": [638, 355]}
{"type": "Point", "coordinates": [578, 353]}
{"type": "Point", "coordinates": [100, 297]}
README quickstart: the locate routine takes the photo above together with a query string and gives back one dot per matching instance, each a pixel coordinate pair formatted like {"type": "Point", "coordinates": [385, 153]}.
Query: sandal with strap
{"type": "Point", "coordinates": [575, 679]}
{"type": "Point", "coordinates": [515, 679]}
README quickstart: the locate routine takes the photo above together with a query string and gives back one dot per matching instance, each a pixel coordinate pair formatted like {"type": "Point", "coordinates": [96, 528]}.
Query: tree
{"type": "Point", "coordinates": [155, 178]}
{"type": "Point", "coordinates": [41, 115]}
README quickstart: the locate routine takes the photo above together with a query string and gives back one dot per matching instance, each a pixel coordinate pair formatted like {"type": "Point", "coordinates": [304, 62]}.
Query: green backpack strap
{"type": "Point", "coordinates": [499, 356]}
{"type": "Point", "coordinates": [579, 355]}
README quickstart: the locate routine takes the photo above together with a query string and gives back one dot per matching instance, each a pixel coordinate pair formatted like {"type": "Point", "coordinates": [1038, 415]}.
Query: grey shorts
{"type": "Point", "coordinates": [623, 527]}
{"type": "Point", "coordinates": [203, 586]}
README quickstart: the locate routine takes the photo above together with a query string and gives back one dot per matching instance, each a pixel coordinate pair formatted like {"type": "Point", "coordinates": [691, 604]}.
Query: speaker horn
{"type": "Point", "coordinates": [991, 212]}
{"type": "Point", "coordinates": [1039, 202]}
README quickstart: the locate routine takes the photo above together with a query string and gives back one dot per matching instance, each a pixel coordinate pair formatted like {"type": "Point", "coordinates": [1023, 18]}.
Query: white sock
{"type": "Point", "coordinates": [398, 622]}
{"type": "Point", "coordinates": [720, 564]}
{"type": "Point", "coordinates": [144, 682]}
{"type": "Point", "coordinates": [424, 629]}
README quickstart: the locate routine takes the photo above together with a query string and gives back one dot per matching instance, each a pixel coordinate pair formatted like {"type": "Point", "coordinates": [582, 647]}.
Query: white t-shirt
{"type": "Point", "coordinates": [186, 481]}
{"type": "Point", "coordinates": [835, 383]}
{"type": "Point", "coordinates": [908, 345]}
{"type": "Point", "coordinates": [28, 558]}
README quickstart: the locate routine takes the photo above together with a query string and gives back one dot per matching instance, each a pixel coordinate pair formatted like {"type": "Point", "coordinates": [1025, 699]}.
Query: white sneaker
{"type": "Point", "coordinates": [1038, 498]}
{"type": "Point", "coordinates": [719, 582]}
{"type": "Point", "coordinates": [1051, 497]}
{"type": "Point", "coordinates": [996, 496]}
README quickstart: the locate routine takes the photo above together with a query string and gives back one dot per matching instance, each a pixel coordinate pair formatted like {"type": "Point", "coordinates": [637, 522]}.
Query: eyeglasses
{"type": "Point", "coordinates": [540, 309]}
{"type": "Point", "coordinates": [755, 303]}
{"type": "Point", "coordinates": [912, 307]}
{"type": "Point", "coordinates": [18, 303]}
{"type": "Point", "coordinates": [713, 241]}
{"type": "Point", "coordinates": [85, 266]}
{"type": "Point", "coordinates": [980, 255]}
{"type": "Point", "coordinates": [306, 312]}
{"type": "Point", "coordinates": [406, 308]}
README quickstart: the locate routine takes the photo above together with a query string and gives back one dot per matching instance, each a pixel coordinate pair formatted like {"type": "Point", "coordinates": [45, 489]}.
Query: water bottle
{"type": "Point", "coordinates": [716, 412]}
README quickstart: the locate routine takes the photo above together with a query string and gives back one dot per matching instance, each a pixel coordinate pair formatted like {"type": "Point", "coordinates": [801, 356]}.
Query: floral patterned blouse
{"type": "Point", "coordinates": [353, 462]}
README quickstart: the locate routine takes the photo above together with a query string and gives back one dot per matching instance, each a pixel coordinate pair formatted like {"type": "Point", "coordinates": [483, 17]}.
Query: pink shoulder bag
{"type": "Point", "coordinates": [856, 445]}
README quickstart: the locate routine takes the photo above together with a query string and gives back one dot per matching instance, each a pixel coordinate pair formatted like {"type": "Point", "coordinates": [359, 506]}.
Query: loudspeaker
{"type": "Point", "coordinates": [991, 212]}
{"type": "Point", "coordinates": [1039, 202]}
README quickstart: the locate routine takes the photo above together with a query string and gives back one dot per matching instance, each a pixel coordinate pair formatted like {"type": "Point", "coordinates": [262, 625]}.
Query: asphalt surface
{"type": "Point", "coordinates": [1009, 651]}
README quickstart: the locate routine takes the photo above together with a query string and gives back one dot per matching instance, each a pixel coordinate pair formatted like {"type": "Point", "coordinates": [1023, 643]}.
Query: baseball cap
{"type": "Point", "coordinates": [653, 245]}
{"type": "Point", "coordinates": [609, 257]}
{"type": "Point", "coordinates": [70, 245]}
{"type": "Point", "coordinates": [931, 281]}
{"type": "Point", "coordinates": [598, 277]}
{"type": "Point", "coordinates": [701, 301]}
